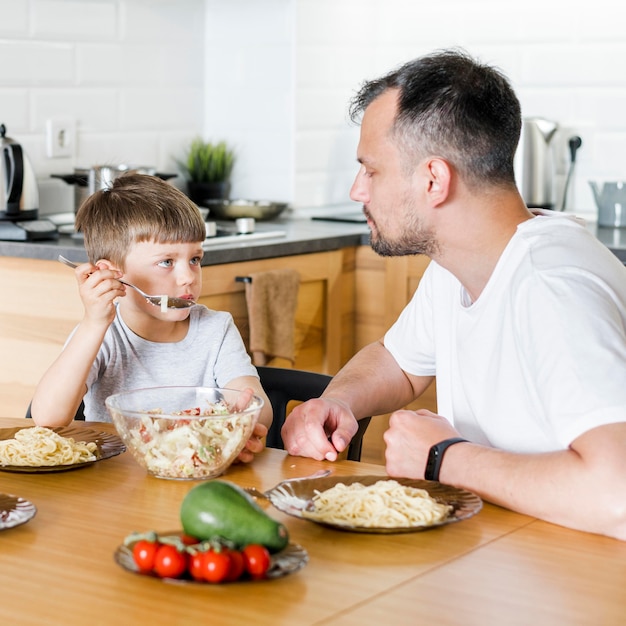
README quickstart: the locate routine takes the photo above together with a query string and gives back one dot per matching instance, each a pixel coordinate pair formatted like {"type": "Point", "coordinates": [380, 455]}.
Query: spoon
{"type": "Point", "coordinates": [165, 302]}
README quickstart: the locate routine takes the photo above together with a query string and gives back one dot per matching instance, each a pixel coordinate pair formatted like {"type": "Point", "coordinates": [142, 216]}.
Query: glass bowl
{"type": "Point", "coordinates": [184, 433]}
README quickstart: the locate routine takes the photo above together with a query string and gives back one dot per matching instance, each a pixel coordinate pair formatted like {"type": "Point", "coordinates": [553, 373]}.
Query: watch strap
{"type": "Point", "coordinates": [435, 457]}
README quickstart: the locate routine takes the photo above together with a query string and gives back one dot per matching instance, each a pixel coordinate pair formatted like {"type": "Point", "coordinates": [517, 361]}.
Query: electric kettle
{"type": "Point", "coordinates": [19, 194]}
{"type": "Point", "coordinates": [534, 163]}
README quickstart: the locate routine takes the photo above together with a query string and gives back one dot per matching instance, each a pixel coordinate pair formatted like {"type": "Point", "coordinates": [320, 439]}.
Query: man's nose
{"type": "Point", "coordinates": [359, 191]}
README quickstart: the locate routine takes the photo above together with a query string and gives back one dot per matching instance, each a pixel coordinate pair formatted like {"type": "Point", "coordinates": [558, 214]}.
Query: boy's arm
{"type": "Point", "coordinates": [63, 386]}
{"type": "Point", "coordinates": [251, 382]}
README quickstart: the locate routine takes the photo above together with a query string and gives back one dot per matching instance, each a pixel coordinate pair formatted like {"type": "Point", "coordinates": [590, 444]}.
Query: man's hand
{"type": "Point", "coordinates": [319, 429]}
{"type": "Point", "coordinates": [409, 439]}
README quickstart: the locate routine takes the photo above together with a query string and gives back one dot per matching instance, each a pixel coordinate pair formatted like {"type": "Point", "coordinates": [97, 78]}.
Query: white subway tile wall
{"type": "Point", "coordinates": [274, 77]}
{"type": "Point", "coordinates": [128, 72]}
{"type": "Point", "coordinates": [565, 58]}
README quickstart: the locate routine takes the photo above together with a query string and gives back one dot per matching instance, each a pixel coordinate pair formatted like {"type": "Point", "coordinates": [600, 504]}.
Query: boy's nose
{"type": "Point", "coordinates": [186, 276]}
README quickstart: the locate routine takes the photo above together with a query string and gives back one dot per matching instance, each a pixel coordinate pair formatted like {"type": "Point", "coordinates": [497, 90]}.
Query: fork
{"type": "Point", "coordinates": [165, 302]}
{"type": "Point", "coordinates": [257, 493]}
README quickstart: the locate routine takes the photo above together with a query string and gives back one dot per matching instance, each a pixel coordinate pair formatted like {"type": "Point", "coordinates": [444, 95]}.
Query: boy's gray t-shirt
{"type": "Point", "coordinates": [211, 355]}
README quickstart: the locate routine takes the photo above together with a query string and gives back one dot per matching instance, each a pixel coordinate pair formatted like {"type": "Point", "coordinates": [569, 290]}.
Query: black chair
{"type": "Point", "coordinates": [284, 385]}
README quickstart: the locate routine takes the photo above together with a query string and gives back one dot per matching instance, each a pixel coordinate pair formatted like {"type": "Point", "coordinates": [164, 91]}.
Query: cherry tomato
{"type": "Point", "coordinates": [144, 552]}
{"type": "Point", "coordinates": [196, 565]}
{"type": "Point", "coordinates": [188, 540]}
{"type": "Point", "coordinates": [257, 560]}
{"type": "Point", "coordinates": [169, 562]}
{"type": "Point", "coordinates": [237, 565]}
{"type": "Point", "coordinates": [215, 566]}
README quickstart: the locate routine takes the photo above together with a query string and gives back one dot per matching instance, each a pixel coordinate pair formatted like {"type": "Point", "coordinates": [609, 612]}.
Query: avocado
{"type": "Point", "coordinates": [218, 508]}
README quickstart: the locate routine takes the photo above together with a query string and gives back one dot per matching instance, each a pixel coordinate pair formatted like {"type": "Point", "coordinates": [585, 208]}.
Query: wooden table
{"type": "Point", "coordinates": [495, 568]}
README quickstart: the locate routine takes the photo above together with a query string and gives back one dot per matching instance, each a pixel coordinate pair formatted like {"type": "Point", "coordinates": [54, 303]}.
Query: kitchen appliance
{"type": "Point", "coordinates": [535, 164]}
{"type": "Point", "coordinates": [218, 234]}
{"type": "Point", "coordinates": [19, 194]}
{"type": "Point", "coordinates": [354, 217]}
{"type": "Point", "coordinates": [88, 180]}
{"type": "Point", "coordinates": [611, 201]}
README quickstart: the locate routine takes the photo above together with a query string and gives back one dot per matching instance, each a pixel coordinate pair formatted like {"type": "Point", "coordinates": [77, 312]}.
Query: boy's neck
{"type": "Point", "coordinates": [150, 329]}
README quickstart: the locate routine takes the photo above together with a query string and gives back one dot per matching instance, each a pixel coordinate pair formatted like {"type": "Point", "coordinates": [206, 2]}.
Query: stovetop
{"type": "Point", "coordinates": [65, 224]}
{"type": "Point", "coordinates": [224, 236]}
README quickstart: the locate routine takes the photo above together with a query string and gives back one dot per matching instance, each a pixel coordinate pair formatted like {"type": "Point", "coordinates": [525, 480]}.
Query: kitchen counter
{"type": "Point", "coordinates": [613, 238]}
{"type": "Point", "coordinates": [299, 235]}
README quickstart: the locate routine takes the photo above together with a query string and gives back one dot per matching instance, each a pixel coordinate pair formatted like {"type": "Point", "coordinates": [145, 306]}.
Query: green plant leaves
{"type": "Point", "coordinates": [209, 162]}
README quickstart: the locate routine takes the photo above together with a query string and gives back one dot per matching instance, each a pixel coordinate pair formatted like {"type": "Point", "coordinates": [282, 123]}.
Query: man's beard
{"type": "Point", "coordinates": [414, 240]}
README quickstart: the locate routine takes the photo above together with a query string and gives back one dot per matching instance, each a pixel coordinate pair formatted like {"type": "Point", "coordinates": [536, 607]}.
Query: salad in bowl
{"type": "Point", "coordinates": [185, 433]}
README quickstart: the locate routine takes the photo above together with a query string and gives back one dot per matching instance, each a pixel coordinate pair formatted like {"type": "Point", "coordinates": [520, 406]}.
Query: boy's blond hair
{"type": "Point", "coordinates": [137, 207]}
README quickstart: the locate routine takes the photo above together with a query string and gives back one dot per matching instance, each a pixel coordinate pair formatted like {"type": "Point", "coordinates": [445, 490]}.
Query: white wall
{"type": "Point", "coordinates": [274, 76]}
{"type": "Point", "coordinates": [250, 91]}
{"type": "Point", "coordinates": [565, 58]}
{"type": "Point", "coordinates": [129, 72]}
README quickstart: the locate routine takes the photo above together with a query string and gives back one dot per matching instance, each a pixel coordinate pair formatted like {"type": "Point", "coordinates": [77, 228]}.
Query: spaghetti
{"type": "Point", "coordinates": [39, 446]}
{"type": "Point", "coordinates": [385, 504]}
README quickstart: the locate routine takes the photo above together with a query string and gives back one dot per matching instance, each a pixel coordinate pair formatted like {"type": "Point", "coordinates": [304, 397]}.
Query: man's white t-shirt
{"type": "Point", "coordinates": [540, 357]}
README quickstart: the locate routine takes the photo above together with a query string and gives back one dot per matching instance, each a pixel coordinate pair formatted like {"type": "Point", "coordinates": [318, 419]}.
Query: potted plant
{"type": "Point", "coordinates": [207, 168]}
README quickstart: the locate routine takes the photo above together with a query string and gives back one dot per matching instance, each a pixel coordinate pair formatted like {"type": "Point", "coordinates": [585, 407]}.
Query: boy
{"type": "Point", "coordinates": [149, 233]}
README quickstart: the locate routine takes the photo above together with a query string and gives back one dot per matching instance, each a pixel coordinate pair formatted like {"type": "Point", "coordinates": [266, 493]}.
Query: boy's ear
{"type": "Point", "coordinates": [105, 264]}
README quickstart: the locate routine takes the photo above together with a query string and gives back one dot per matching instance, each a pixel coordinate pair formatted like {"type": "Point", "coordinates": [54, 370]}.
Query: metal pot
{"type": "Point", "coordinates": [89, 180]}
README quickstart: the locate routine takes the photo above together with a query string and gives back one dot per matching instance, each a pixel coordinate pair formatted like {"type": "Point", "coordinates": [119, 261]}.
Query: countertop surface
{"type": "Point", "coordinates": [294, 236]}
{"type": "Point", "coordinates": [281, 237]}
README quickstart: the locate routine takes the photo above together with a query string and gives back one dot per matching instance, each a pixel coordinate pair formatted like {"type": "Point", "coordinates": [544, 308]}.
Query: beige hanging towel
{"type": "Point", "coordinates": [272, 298]}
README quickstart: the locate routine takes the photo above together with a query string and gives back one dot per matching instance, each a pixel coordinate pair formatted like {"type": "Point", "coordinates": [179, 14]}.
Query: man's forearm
{"type": "Point", "coordinates": [372, 383]}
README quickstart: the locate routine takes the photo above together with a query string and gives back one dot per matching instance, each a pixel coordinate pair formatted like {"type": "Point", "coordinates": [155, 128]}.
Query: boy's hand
{"type": "Point", "coordinates": [98, 288]}
{"type": "Point", "coordinates": [255, 444]}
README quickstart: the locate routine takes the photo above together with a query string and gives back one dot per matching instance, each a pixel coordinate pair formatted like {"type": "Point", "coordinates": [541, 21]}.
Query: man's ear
{"type": "Point", "coordinates": [440, 178]}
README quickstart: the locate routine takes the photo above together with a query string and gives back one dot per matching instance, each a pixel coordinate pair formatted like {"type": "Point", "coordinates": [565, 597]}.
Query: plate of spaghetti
{"type": "Point", "coordinates": [374, 504]}
{"type": "Point", "coordinates": [37, 449]}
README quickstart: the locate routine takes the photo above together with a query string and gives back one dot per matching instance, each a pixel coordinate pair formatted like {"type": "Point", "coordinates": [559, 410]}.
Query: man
{"type": "Point", "coordinates": [521, 317]}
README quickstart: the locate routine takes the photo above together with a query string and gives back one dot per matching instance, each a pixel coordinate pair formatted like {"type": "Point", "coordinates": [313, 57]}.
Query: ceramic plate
{"type": "Point", "coordinates": [293, 496]}
{"type": "Point", "coordinates": [108, 445]}
{"type": "Point", "coordinates": [287, 561]}
{"type": "Point", "coordinates": [15, 511]}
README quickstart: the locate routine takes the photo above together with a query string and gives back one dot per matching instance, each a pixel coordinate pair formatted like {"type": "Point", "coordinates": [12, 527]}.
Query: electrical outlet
{"type": "Point", "coordinates": [60, 138]}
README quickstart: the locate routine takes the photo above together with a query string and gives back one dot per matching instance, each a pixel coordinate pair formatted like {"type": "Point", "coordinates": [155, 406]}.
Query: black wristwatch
{"type": "Point", "coordinates": [435, 457]}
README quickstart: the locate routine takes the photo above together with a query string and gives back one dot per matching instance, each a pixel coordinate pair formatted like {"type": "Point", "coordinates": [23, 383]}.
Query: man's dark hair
{"type": "Point", "coordinates": [456, 108]}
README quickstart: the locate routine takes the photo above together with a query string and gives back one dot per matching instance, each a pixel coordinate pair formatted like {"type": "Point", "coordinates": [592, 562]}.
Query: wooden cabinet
{"type": "Point", "coordinates": [37, 313]}
{"type": "Point", "coordinates": [325, 312]}
{"type": "Point", "coordinates": [43, 307]}
{"type": "Point", "coordinates": [383, 287]}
